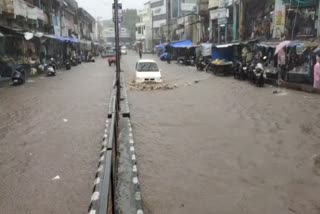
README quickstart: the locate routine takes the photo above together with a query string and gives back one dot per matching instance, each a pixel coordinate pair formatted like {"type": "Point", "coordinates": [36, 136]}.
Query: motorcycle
{"type": "Point", "coordinates": [79, 61]}
{"type": "Point", "coordinates": [210, 67]}
{"type": "Point", "coordinates": [181, 60]}
{"type": "Point", "coordinates": [67, 64]}
{"type": "Point", "coordinates": [250, 71]}
{"type": "Point", "coordinates": [18, 76]}
{"type": "Point", "coordinates": [237, 70]}
{"type": "Point", "coordinates": [92, 59]}
{"type": "Point", "coordinates": [74, 61]}
{"type": "Point", "coordinates": [243, 71]}
{"type": "Point", "coordinates": [201, 64]}
{"type": "Point", "coordinates": [189, 61]}
{"type": "Point", "coordinates": [259, 74]}
{"type": "Point", "coordinates": [51, 68]}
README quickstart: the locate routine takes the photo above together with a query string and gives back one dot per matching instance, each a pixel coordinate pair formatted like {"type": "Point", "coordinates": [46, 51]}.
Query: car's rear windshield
{"type": "Point", "coordinates": [147, 66]}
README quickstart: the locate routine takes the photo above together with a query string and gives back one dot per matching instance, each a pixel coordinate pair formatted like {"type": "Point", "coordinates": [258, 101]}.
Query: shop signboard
{"type": "Point", "coordinates": [279, 19]}
{"type": "Point", "coordinates": [213, 3]}
{"type": "Point", "coordinates": [189, 7]}
{"type": "Point", "coordinates": [219, 13]}
{"type": "Point", "coordinates": [222, 21]}
{"type": "Point", "coordinates": [120, 16]}
{"type": "Point", "coordinates": [20, 8]}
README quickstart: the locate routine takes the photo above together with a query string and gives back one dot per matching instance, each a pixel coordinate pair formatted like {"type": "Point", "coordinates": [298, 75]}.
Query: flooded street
{"type": "Point", "coordinates": [50, 139]}
{"type": "Point", "coordinates": [218, 145]}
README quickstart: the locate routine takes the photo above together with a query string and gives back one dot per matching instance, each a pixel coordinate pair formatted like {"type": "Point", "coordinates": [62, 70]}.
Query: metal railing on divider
{"type": "Point", "coordinates": [103, 197]}
{"type": "Point", "coordinates": [107, 199]}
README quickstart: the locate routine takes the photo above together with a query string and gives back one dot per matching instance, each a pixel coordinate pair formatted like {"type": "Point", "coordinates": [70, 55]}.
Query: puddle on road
{"type": "Point", "coordinates": [151, 86]}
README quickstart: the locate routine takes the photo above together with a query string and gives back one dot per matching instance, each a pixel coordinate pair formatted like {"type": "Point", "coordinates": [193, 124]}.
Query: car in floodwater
{"type": "Point", "coordinates": [147, 70]}
{"type": "Point", "coordinates": [124, 50]}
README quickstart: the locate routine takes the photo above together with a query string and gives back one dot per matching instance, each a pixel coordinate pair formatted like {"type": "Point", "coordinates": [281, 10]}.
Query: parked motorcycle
{"type": "Point", "coordinates": [181, 60]}
{"type": "Point", "coordinates": [67, 64]}
{"type": "Point", "coordinates": [210, 67]}
{"type": "Point", "coordinates": [259, 74]}
{"type": "Point", "coordinates": [92, 58]}
{"type": "Point", "coordinates": [18, 76]}
{"type": "Point", "coordinates": [79, 60]}
{"type": "Point", "coordinates": [189, 61]}
{"type": "Point", "coordinates": [201, 63]}
{"type": "Point", "coordinates": [237, 69]}
{"type": "Point", "coordinates": [74, 61]}
{"type": "Point", "coordinates": [250, 71]}
{"type": "Point", "coordinates": [51, 68]}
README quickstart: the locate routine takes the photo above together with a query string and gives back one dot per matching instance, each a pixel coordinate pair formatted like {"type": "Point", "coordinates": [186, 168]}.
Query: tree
{"type": "Point", "coordinates": [130, 18]}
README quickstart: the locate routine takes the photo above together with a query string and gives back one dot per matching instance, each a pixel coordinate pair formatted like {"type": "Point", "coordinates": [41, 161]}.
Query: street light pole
{"type": "Point", "coordinates": [152, 35]}
{"type": "Point", "coordinates": [116, 23]}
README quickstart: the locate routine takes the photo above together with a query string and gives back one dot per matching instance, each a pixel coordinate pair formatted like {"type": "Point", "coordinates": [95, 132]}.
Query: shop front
{"type": "Point", "coordinates": [301, 18]}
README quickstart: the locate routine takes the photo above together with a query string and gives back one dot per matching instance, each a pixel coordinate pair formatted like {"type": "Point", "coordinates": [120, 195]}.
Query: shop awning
{"type": "Point", "coordinates": [181, 44]}
{"type": "Point", "coordinates": [269, 44]}
{"type": "Point", "coordinates": [227, 45]}
{"type": "Point", "coordinates": [300, 3]}
{"type": "Point", "coordinates": [317, 50]}
{"type": "Point", "coordinates": [68, 39]}
{"type": "Point", "coordinates": [160, 46]}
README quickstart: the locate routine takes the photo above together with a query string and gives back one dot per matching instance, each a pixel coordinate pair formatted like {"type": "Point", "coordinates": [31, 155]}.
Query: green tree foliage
{"type": "Point", "coordinates": [130, 18]}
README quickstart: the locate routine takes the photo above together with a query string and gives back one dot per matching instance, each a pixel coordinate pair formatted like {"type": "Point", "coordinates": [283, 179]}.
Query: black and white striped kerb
{"type": "Point", "coordinates": [125, 106]}
{"type": "Point", "coordinates": [94, 203]}
{"type": "Point", "coordinates": [135, 177]}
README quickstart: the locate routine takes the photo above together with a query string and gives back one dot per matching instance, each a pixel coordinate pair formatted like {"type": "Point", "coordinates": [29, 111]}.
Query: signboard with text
{"type": "Point", "coordinates": [120, 15]}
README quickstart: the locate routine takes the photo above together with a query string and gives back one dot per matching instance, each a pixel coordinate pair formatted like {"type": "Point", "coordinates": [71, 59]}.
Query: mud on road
{"type": "Point", "coordinates": [224, 146]}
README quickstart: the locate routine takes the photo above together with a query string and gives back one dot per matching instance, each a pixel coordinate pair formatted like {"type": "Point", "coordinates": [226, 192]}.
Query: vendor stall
{"type": "Point", "coordinates": [183, 48]}
{"type": "Point", "coordinates": [223, 57]}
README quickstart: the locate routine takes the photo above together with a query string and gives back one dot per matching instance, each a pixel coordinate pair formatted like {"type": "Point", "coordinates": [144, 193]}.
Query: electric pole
{"type": "Point", "coordinates": [116, 25]}
{"type": "Point", "coordinates": [152, 33]}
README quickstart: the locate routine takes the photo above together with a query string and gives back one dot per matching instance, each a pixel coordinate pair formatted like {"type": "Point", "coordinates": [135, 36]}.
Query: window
{"type": "Point", "coordinates": [147, 66]}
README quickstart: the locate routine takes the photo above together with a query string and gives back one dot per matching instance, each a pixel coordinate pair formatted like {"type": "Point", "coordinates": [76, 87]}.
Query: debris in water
{"type": "Point", "coordinates": [316, 163]}
{"type": "Point", "coordinates": [150, 86]}
{"type": "Point", "coordinates": [56, 178]}
{"type": "Point", "coordinates": [65, 120]}
{"type": "Point", "coordinates": [279, 93]}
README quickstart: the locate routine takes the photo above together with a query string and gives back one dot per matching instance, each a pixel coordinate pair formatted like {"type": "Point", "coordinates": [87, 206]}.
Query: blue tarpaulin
{"type": "Point", "coordinates": [160, 46]}
{"type": "Point", "coordinates": [181, 44]}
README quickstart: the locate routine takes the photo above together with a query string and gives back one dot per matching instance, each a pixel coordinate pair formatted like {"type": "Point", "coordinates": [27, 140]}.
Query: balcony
{"type": "Point", "coordinates": [22, 8]}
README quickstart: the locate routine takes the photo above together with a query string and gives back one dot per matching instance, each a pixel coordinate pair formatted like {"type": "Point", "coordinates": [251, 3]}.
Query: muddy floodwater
{"type": "Point", "coordinates": [218, 145]}
{"type": "Point", "coordinates": [50, 139]}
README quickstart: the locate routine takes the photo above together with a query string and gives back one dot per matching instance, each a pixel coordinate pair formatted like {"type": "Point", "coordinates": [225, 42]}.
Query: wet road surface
{"type": "Point", "coordinates": [52, 127]}
{"type": "Point", "coordinates": [219, 145]}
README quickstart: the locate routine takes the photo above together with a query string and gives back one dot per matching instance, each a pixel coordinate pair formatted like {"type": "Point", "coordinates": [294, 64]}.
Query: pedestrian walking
{"type": "Point", "coordinates": [140, 49]}
{"type": "Point", "coordinates": [316, 74]}
{"type": "Point", "coordinates": [282, 64]}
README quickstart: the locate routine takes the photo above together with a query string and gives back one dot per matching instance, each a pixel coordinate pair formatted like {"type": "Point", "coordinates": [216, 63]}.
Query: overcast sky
{"type": "Point", "coordinates": [102, 8]}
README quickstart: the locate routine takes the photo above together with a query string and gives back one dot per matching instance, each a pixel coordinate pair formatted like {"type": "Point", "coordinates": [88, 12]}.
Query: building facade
{"type": "Point", "coordinates": [144, 27]}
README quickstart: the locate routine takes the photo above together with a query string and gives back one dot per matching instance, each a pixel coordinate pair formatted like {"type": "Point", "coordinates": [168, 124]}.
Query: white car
{"type": "Point", "coordinates": [147, 70]}
{"type": "Point", "coordinates": [124, 50]}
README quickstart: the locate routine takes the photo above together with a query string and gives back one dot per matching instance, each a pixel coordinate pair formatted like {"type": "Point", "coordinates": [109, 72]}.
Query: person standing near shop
{"type": "Point", "coordinates": [316, 74]}
{"type": "Point", "coordinates": [282, 63]}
